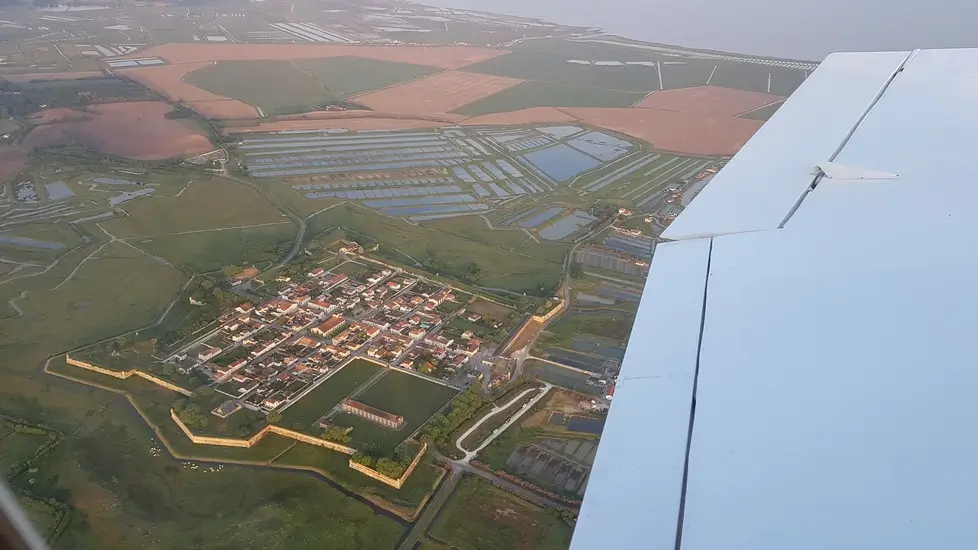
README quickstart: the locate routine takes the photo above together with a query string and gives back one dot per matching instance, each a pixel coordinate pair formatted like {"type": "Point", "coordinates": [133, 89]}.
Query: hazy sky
{"type": "Point", "coordinates": [805, 29]}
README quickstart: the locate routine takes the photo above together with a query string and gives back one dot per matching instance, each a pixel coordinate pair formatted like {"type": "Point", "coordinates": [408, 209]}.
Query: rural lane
{"type": "Point", "coordinates": [469, 455]}
{"type": "Point", "coordinates": [300, 223]}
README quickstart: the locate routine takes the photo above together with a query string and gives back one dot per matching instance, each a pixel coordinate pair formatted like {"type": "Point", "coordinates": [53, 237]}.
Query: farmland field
{"type": "Point", "coordinates": [406, 243]}
{"type": "Point", "coordinates": [126, 491]}
{"type": "Point", "coordinates": [287, 87]}
{"type": "Point", "coordinates": [213, 250]}
{"type": "Point", "coordinates": [555, 69]}
{"type": "Point", "coordinates": [16, 446]}
{"type": "Point", "coordinates": [398, 393]}
{"type": "Point", "coordinates": [549, 94]}
{"type": "Point", "coordinates": [343, 77]}
{"type": "Point", "coordinates": [136, 129]}
{"type": "Point", "coordinates": [479, 516]}
{"type": "Point", "coordinates": [195, 209]}
{"type": "Point", "coordinates": [280, 88]}
{"type": "Point", "coordinates": [84, 307]}
{"type": "Point", "coordinates": [331, 391]}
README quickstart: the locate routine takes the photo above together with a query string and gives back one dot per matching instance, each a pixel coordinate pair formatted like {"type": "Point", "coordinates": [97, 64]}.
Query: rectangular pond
{"type": "Point", "coordinates": [443, 199]}
{"type": "Point", "coordinates": [565, 227]}
{"type": "Point", "coordinates": [58, 190]}
{"type": "Point", "coordinates": [29, 243]}
{"type": "Point", "coordinates": [543, 217]}
{"type": "Point", "coordinates": [585, 425]}
{"type": "Point", "coordinates": [434, 209]}
{"type": "Point", "coordinates": [561, 162]}
{"type": "Point", "coordinates": [601, 146]}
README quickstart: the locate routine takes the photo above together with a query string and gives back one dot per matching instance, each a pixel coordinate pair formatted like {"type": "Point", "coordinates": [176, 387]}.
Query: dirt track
{"type": "Point", "coordinates": [136, 129]}
{"type": "Point", "coordinates": [443, 57]}
{"type": "Point", "coordinates": [167, 80]}
{"type": "Point", "coordinates": [690, 134]}
{"type": "Point", "coordinates": [533, 115]}
{"type": "Point", "coordinates": [354, 124]}
{"type": "Point", "coordinates": [436, 94]}
{"type": "Point", "coordinates": [708, 101]}
{"type": "Point", "coordinates": [20, 78]}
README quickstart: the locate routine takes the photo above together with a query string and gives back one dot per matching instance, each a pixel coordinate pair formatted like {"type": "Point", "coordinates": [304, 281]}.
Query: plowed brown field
{"type": "Point", "coordinates": [135, 130]}
{"type": "Point", "coordinates": [11, 161]}
{"type": "Point", "coordinates": [167, 80]}
{"type": "Point", "coordinates": [690, 134]}
{"type": "Point", "coordinates": [444, 57]}
{"type": "Point", "coordinates": [437, 94]}
{"type": "Point", "coordinates": [20, 78]}
{"type": "Point", "coordinates": [533, 115]}
{"type": "Point", "coordinates": [708, 101]}
{"type": "Point", "coordinates": [352, 124]}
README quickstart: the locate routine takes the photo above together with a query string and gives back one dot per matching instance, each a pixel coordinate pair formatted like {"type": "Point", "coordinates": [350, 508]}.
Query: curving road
{"type": "Point", "coordinates": [469, 455]}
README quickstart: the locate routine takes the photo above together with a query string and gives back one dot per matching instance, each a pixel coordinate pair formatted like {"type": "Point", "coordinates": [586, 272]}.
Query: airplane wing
{"type": "Point", "coordinates": [803, 369]}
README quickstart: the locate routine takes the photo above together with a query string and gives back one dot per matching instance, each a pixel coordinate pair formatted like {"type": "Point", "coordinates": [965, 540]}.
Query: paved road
{"type": "Point", "coordinates": [469, 455]}
{"type": "Point", "coordinates": [300, 223]}
{"type": "Point", "coordinates": [460, 467]}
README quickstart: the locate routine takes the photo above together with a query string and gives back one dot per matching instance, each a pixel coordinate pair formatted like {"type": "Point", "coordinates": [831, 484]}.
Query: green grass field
{"type": "Point", "coordinates": [479, 516]}
{"type": "Point", "coordinates": [764, 113]}
{"type": "Point", "coordinates": [555, 69]}
{"type": "Point", "coordinates": [550, 94]}
{"type": "Point", "coordinates": [16, 446]}
{"type": "Point", "coordinates": [275, 87]}
{"type": "Point", "coordinates": [131, 496]}
{"type": "Point", "coordinates": [413, 398]}
{"type": "Point", "coordinates": [210, 251]}
{"type": "Point", "coordinates": [517, 271]}
{"type": "Point", "coordinates": [284, 87]}
{"type": "Point", "coordinates": [321, 400]}
{"type": "Point", "coordinates": [208, 203]}
{"type": "Point", "coordinates": [88, 306]}
{"type": "Point", "coordinates": [343, 77]}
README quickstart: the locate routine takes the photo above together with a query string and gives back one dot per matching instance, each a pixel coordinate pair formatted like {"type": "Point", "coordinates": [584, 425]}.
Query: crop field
{"type": "Point", "coordinates": [528, 65]}
{"type": "Point", "coordinates": [296, 86]}
{"type": "Point", "coordinates": [193, 210]}
{"type": "Point", "coordinates": [212, 250]}
{"type": "Point", "coordinates": [678, 71]}
{"type": "Point", "coordinates": [82, 307]}
{"type": "Point", "coordinates": [168, 81]}
{"type": "Point", "coordinates": [405, 243]}
{"type": "Point", "coordinates": [549, 94]}
{"type": "Point", "coordinates": [136, 129]}
{"type": "Point", "coordinates": [443, 57]}
{"type": "Point", "coordinates": [440, 93]}
{"type": "Point", "coordinates": [275, 87]}
{"type": "Point", "coordinates": [479, 515]}
{"type": "Point", "coordinates": [397, 393]}
{"type": "Point", "coordinates": [343, 77]}
{"type": "Point", "coordinates": [125, 491]}
{"type": "Point", "coordinates": [711, 101]}
{"type": "Point", "coordinates": [302, 414]}
{"type": "Point", "coordinates": [16, 446]}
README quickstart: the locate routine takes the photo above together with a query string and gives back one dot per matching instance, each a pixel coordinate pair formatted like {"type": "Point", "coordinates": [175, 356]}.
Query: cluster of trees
{"type": "Point", "coordinates": [28, 430]}
{"type": "Point", "coordinates": [23, 99]}
{"type": "Point", "coordinates": [19, 426]}
{"type": "Point", "coordinates": [372, 457]}
{"type": "Point", "coordinates": [337, 434]}
{"type": "Point", "coordinates": [440, 429]}
{"type": "Point", "coordinates": [298, 268]}
{"type": "Point", "coordinates": [215, 297]}
{"type": "Point", "coordinates": [190, 413]}
{"type": "Point", "coordinates": [469, 272]}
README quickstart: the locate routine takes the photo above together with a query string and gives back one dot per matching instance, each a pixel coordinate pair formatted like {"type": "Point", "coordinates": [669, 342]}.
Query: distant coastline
{"type": "Point", "coordinates": [793, 29]}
